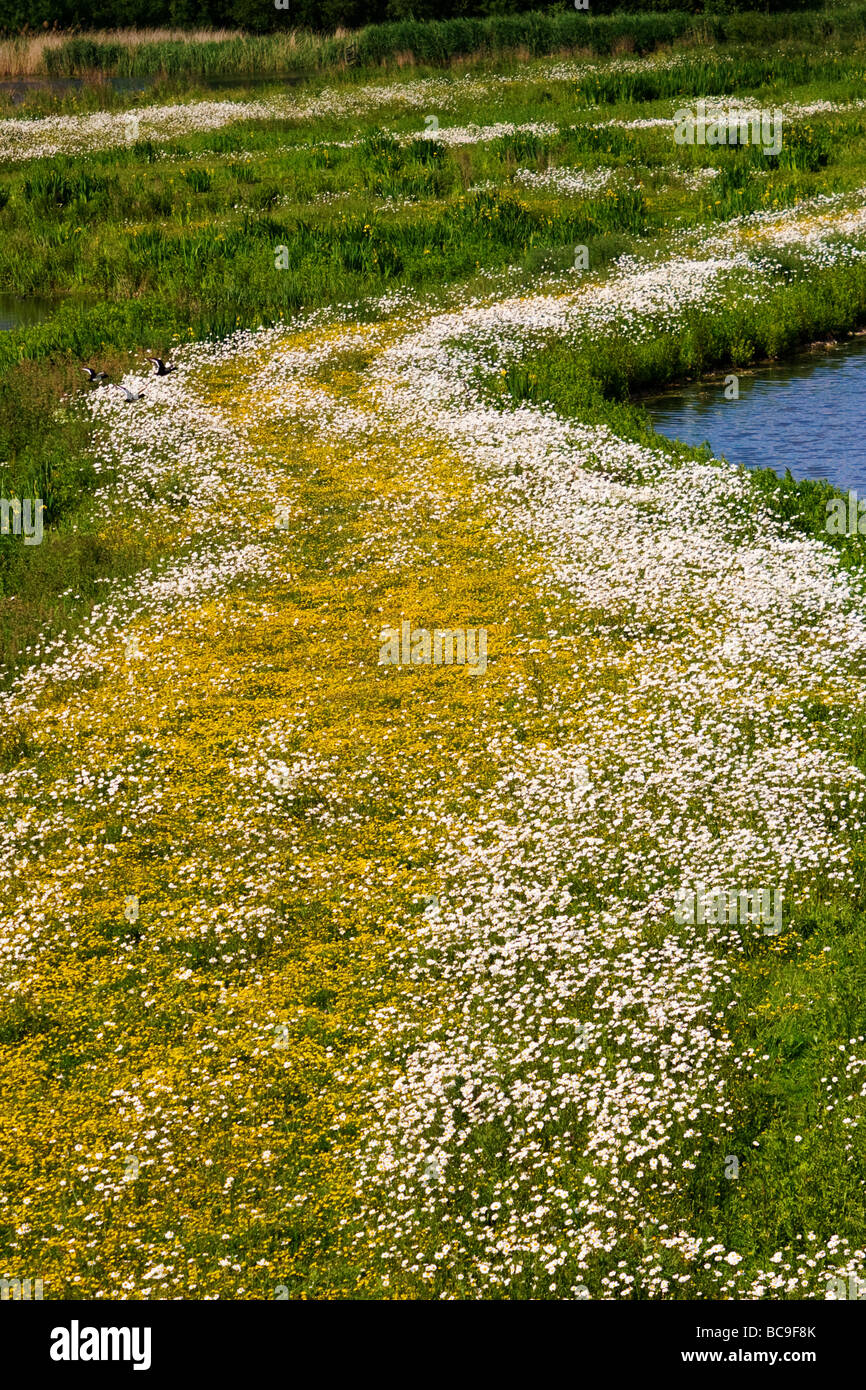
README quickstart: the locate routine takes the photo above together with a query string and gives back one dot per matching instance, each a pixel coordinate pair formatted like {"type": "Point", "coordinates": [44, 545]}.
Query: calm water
{"type": "Point", "coordinates": [17, 312]}
{"type": "Point", "coordinates": [809, 416]}
{"type": "Point", "coordinates": [18, 89]}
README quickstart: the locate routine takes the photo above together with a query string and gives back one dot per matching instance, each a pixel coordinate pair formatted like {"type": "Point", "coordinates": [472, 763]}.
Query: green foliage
{"type": "Point", "coordinates": [199, 180]}
{"type": "Point", "coordinates": [805, 147]}
{"type": "Point", "coordinates": [143, 247]}
{"type": "Point", "coordinates": [143, 244]}
{"type": "Point", "coordinates": [54, 185]}
{"type": "Point", "coordinates": [425, 32]}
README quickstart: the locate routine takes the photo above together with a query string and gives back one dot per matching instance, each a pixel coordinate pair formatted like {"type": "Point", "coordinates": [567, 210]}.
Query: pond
{"type": "Point", "coordinates": [18, 89]}
{"type": "Point", "coordinates": [16, 311]}
{"type": "Point", "coordinates": [809, 416]}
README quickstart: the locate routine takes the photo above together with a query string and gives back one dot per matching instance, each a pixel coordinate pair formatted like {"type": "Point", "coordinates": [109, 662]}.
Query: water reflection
{"type": "Point", "coordinates": [19, 89]}
{"type": "Point", "coordinates": [19, 312]}
{"type": "Point", "coordinates": [809, 416]}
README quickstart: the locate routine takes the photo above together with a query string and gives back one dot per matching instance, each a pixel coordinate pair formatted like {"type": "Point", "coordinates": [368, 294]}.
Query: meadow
{"type": "Point", "coordinates": [321, 978]}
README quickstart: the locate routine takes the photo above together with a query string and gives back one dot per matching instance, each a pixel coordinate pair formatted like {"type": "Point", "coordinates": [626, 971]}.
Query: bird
{"type": "Point", "coordinates": [161, 368]}
{"type": "Point", "coordinates": [128, 394]}
{"type": "Point", "coordinates": [95, 376]}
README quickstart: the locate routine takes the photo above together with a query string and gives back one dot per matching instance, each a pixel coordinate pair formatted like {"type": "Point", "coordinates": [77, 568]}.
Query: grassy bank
{"type": "Point", "coordinates": [137, 53]}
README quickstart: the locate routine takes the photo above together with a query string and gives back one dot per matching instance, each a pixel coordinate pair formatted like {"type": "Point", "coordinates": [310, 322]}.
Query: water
{"type": "Point", "coordinates": [18, 312]}
{"type": "Point", "coordinates": [18, 89]}
{"type": "Point", "coordinates": [809, 416]}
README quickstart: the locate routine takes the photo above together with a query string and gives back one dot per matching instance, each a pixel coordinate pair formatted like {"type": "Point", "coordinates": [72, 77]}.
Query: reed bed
{"type": "Point", "coordinates": [155, 52]}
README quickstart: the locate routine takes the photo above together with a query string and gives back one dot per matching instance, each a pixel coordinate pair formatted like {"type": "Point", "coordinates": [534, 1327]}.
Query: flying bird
{"type": "Point", "coordinates": [161, 368]}
{"type": "Point", "coordinates": [95, 376]}
{"type": "Point", "coordinates": [129, 395]}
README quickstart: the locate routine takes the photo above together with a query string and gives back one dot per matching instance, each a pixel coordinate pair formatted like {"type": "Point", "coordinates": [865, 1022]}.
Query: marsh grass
{"type": "Point", "coordinates": [460, 42]}
{"type": "Point", "coordinates": [26, 55]}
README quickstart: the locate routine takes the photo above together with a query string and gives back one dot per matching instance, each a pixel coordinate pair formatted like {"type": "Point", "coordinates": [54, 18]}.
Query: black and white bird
{"type": "Point", "coordinates": [128, 394]}
{"type": "Point", "coordinates": [161, 368]}
{"type": "Point", "coordinates": [95, 376]}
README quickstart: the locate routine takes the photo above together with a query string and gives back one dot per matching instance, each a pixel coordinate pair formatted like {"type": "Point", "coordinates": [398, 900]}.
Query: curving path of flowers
{"type": "Point", "coordinates": [38, 137]}
{"type": "Point", "coordinates": [401, 980]}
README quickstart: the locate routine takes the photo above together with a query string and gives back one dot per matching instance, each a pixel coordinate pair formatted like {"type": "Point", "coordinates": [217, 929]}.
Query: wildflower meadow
{"type": "Point", "coordinates": [432, 802]}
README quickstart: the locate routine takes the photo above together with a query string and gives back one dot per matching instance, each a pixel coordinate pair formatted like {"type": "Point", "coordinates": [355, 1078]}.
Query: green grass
{"type": "Point", "coordinates": [439, 42]}
{"type": "Point", "coordinates": [187, 249]}
{"type": "Point", "coordinates": [146, 245]}
{"type": "Point", "coordinates": [153, 244]}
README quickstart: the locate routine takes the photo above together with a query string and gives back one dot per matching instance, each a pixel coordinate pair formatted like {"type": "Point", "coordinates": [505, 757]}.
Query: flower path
{"type": "Point", "coordinates": [322, 976]}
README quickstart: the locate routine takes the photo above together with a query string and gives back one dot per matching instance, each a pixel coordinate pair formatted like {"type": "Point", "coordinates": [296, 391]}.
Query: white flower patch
{"type": "Point", "coordinates": [43, 136]}
{"type": "Point", "coordinates": [23, 138]}
{"type": "Point", "coordinates": [547, 895]}
{"type": "Point", "coordinates": [720, 108]}
{"type": "Point", "coordinates": [571, 182]}
{"type": "Point", "coordinates": [694, 179]}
